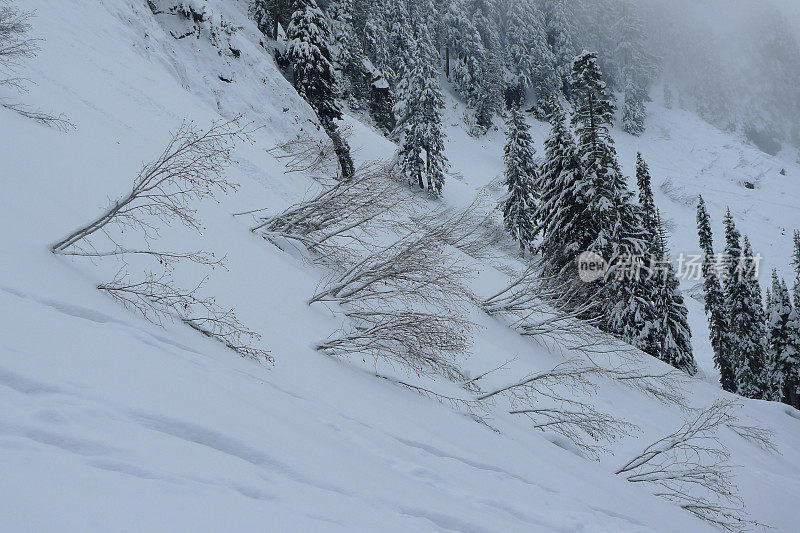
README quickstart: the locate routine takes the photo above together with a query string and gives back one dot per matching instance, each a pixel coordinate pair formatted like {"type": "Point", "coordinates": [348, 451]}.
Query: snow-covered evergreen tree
{"type": "Point", "coordinates": [349, 56]}
{"type": "Point", "coordinates": [259, 12]}
{"type": "Point", "coordinates": [270, 14]}
{"type": "Point", "coordinates": [746, 325]}
{"type": "Point", "coordinates": [314, 76]}
{"type": "Point", "coordinates": [782, 369]}
{"type": "Point", "coordinates": [646, 200]}
{"type": "Point", "coordinates": [521, 179]}
{"type": "Point", "coordinates": [529, 60]}
{"type": "Point", "coordinates": [672, 317]}
{"type": "Point", "coordinates": [594, 112]}
{"type": "Point", "coordinates": [562, 216]}
{"type": "Point", "coordinates": [418, 109]}
{"type": "Point", "coordinates": [715, 301]}
{"type": "Point", "coordinates": [559, 24]}
{"type": "Point", "coordinates": [636, 68]}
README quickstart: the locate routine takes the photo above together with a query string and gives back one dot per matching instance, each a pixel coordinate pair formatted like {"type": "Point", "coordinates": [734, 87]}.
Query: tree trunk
{"type": "Point", "coordinates": [447, 62]}
{"type": "Point", "coordinates": [341, 149]}
{"type": "Point", "coordinates": [275, 27]}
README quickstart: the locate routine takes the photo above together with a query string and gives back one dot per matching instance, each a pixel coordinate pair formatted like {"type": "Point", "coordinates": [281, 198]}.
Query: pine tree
{"type": "Point", "coordinates": [562, 215]}
{"type": "Point", "coordinates": [314, 76]}
{"type": "Point", "coordinates": [746, 325]}
{"type": "Point", "coordinates": [259, 12]}
{"type": "Point", "coordinates": [636, 68]}
{"type": "Point", "coordinates": [672, 317]}
{"type": "Point", "coordinates": [349, 56]}
{"type": "Point", "coordinates": [419, 106]}
{"type": "Point", "coordinates": [521, 179]}
{"type": "Point", "coordinates": [270, 14]}
{"type": "Point", "coordinates": [593, 115]}
{"type": "Point", "coordinates": [560, 34]}
{"type": "Point", "coordinates": [796, 255]}
{"type": "Point", "coordinates": [528, 57]}
{"type": "Point", "coordinates": [783, 337]}
{"type": "Point", "coordinates": [714, 301]}
{"type": "Point", "coordinates": [646, 200]}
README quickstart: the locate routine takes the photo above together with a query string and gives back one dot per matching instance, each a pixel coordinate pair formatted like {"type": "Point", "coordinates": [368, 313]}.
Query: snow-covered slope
{"type": "Point", "coordinates": [110, 422]}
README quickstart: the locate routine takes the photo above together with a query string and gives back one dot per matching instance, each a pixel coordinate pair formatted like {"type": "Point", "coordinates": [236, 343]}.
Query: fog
{"type": "Point", "coordinates": [735, 62]}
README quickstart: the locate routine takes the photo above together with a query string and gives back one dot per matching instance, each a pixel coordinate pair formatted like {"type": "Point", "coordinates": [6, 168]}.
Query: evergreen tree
{"type": "Point", "coordinates": [560, 29]}
{"type": "Point", "coordinates": [521, 179]}
{"type": "Point", "coordinates": [349, 56]}
{"type": "Point", "coordinates": [270, 14]}
{"type": "Point", "coordinates": [746, 327]}
{"type": "Point", "coordinates": [593, 115]}
{"type": "Point", "coordinates": [473, 37]}
{"type": "Point", "coordinates": [259, 13]}
{"type": "Point", "coordinates": [314, 76]}
{"type": "Point", "coordinates": [646, 200]}
{"type": "Point", "coordinates": [419, 106]}
{"type": "Point", "coordinates": [562, 215]}
{"type": "Point", "coordinates": [672, 317]}
{"type": "Point", "coordinates": [783, 337]}
{"type": "Point", "coordinates": [715, 302]}
{"type": "Point", "coordinates": [796, 255]}
{"type": "Point", "coordinates": [636, 68]}
{"type": "Point", "coordinates": [529, 60]}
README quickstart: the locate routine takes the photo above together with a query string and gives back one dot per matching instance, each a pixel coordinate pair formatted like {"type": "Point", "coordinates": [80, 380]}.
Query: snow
{"type": "Point", "coordinates": [111, 422]}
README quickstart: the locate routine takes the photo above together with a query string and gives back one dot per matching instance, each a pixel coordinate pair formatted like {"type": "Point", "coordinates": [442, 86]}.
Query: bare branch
{"type": "Point", "coordinates": [550, 400]}
{"type": "Point", "coordinates": [344, 213]}
{"type": "Point", "coordinates": [761, 437]}
{"type": "Point", "coordinates": [190, 168]}
{"type": "Point", "coordinates": [415, 268]}
{"type": "Point", "coordinates": [61, 123]}
{"type": "Point", "coordinates": [691, 467]}
{"type": "Point", "coordinates": [158, 300]}
{"type": "Point", "coordinates": [423, 343]}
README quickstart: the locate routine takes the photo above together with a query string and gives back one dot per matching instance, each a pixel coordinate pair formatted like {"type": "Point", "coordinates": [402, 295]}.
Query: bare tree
{"type": "Point", "coordinates": [424, 343]}
{"type": "Point", "coordinates": [761, 437]}
{"type": "Point", "coordinates": [549, 400]}
{"type": "Point", "coordinates": [691, 468]}
{"type": "Point", "coordinates": [540, 307]}
{"type": "Point", "coordinates": [470, 230]}
{"type": "Point", "coordinates": [308, 154]}
{"type": "Point", "coordinates": [414, 268]}
{"type": "Point", "coordinates": [189, 169]}
{"type": "Point", "coordinates": [158, 300]}
{"type": "Point", "coordinates": [343, 214]}
{"type": "Point", "coordinates": [16, 46]}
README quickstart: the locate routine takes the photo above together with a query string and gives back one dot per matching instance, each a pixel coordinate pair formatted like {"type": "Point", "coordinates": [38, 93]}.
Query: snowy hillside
{"type": "Point", "coordinates": [110, 422]}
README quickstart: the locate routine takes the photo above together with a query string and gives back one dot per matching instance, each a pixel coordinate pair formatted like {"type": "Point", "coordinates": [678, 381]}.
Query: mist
{"type": "Point", "coordinates": [734, 62]}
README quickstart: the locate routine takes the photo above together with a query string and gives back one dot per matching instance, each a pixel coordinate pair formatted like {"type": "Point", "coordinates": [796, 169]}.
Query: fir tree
{"type": "Point", "coordinates": [594, 112]}
{"type": "Point", "coordinates": [521, 179]}
{"type": "Point", "coordinates": [636, 69]}
{"type": "Point", "coordinates": [422, 158]}
{"type": "Point", "coordinates": [715, 302]}
{"type": "Point", "coordinates": [796, 255]}
{"type": "Point", "coordinates": [314, 76]}
{"type": "Point", "coordinates": [646, 200]}
{"type": "Point", "coordinates": [783, 337]}
{"type": "Point", "coordinates": [259, 13]}
{"type": "Point", "coordinates": [560, 29]}
{"type": "Point", "coordinates": [529, 59]}
{"type": "Point", "coordinates": [746, 327]}
{"type": "Point", "coordinates": [562, 216]}
{"type": "Point", "coordinates": [672, 317]}
{"type": "Point", "coordinates": [270, 14]}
